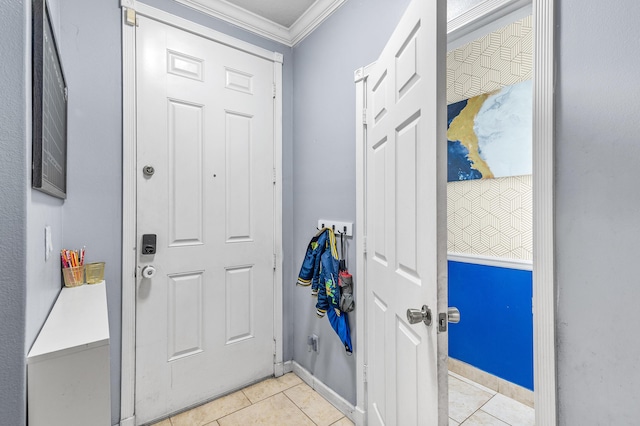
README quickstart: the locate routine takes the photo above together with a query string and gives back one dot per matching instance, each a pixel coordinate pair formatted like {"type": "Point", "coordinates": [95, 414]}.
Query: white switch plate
{"type": "Point", "coordinates": [344, 227]}
{"type": "Point", "coordinates": [48, 244]}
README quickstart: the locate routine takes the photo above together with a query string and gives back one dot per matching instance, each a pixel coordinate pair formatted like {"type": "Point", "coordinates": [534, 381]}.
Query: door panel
{"type": "Point", "coordinates": [239, 321]}
{"type": "Point", "coordinates": [406, 223]}
{"type": "Point", "coordinates": [407, 352]}
{"type": "Point", "coordinates": [238, 146]}
{"type": "Point", "coordinates": [186, 149]}
{"type": "Point", "coordinates": [406, 193]}
{"type": "Point", "coordinates": [204, 321]}
{"type": "Point", "coordinates": [185, 315]}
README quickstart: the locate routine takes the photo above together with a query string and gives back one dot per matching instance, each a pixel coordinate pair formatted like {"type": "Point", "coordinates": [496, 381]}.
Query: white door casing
{"type": "Point", "coordinates": [405, 222]}
{"type": "Point", "coordinates": [543, 199]}
{"type": "Point", "coordinates": [245, 194]}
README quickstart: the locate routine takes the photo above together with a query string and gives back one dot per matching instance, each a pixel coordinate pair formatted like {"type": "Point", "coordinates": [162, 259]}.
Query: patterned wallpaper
{"type": "Point", "coordinates": [498, 59]}
{"type": "Point", "coordinates": [491, 217]}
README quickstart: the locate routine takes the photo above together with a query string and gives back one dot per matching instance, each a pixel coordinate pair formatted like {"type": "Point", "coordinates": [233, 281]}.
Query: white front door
{"type": "Point", "coordinates": [205, 188]}
{"type": "Point", "coordinates": [405, 215]}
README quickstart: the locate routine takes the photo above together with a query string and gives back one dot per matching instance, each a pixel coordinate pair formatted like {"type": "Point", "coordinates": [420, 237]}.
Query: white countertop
{"type": "Point", "coordinates": [79, 320]}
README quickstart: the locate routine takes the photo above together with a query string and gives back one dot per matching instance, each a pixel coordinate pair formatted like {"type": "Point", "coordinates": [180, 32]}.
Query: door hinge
{"type": "Point", "coordinates": [364, 244]}
{"type": "Point", "coordinates": [274, 175]}
{"type": "Point", "coordinates": [66, 94]}
{"type": "Point", "coordinates": [275, 345]}
{"type": "Point", "coordinates": [364, 374]}
{"type": "Point", "coordinates": [274, 90]}
{"type": "Point", "coordinates": [274, 260]}
{"type": "Point", "coordinates": [130, 17]}
{"type": "Point", "coordinates": [364, 116]}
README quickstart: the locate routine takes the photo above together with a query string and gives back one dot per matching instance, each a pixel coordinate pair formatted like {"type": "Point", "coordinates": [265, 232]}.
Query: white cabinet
{"type": "Point", "coordinates": [68, 365]}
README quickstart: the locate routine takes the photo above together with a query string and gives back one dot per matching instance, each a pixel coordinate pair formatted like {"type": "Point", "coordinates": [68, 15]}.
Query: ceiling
{"type": "Point", "coordinates": [285, 21]}
{"type": "Point", "coordinates": [283, 12]}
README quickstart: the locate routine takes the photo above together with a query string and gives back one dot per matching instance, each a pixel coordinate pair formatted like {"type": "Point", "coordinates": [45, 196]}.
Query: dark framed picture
{"type": "Point", "coordinates": [49, 167]}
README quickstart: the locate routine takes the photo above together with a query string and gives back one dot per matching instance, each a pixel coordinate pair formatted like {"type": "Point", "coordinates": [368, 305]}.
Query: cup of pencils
{"type": "Point", "coordinates": [72, 267]}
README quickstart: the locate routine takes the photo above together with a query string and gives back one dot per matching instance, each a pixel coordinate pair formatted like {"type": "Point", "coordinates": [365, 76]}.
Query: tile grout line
{"type": "Point", "coordinates": [315, 392]}
{"type": "Point", "coordinates": [489, 414]}
{"type": "Point", "coordinates": [301, 410]}
{"type": "Point", "coordinates": [497, 418]}
{"type": "Point", "coordinates": [479, 408]}
{"type": "Point", "coordinates": [271, 396]}
{"type": "Point", "coordinates": [251, 403]}
{"type": "Point", "coordinates": [245, 395]}
{"type": "Point", "coordinates": [233, 412]}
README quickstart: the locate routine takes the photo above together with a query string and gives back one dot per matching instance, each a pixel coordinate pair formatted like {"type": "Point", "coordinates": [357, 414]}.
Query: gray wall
{"type": "Point", "coordinates": [91, 50]}
{"type": "Point", "coordinates": [597, 211]}
{"type": "Point", "coordinates": [43, 276]}
{"type": "Point", "coordinates": [324, 162]}
{"type": "Point", "coordinates": [13, 224]}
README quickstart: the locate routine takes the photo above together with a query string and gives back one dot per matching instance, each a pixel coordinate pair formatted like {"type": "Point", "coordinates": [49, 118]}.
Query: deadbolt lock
{"type": "Point", "coordinates": [452, 316]}
{"type": "Point", "coordinates": [148, 170]}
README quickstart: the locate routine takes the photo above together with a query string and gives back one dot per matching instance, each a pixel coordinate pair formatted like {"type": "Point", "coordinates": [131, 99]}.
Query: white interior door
{"type": "Point", "coordinates": [204, 321]}
{"type": "Point", "coordinates": [405, 214]}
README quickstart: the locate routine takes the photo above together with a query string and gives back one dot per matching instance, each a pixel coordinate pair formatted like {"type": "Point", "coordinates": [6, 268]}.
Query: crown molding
{"type": "Point", "coordinates": [240, 17]}
{"type": "Point", "coordinates": [263, 27]}
{"type": "Point", "coordinates": [312, 18]}
{"type": "Point", "coordinates": [486, 12]}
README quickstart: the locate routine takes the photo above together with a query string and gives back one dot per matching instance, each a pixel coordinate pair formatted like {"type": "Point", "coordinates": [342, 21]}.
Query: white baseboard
{"type": "Point", "coordinates": [130, 421]}
{"type": "Point", "coordinates": [288, 367]}
{"type": "Point", "coordinates": [359, 416]}
{"type": "Point", "coordinates": [344, 406]}
{"type": "Point", "coordinates": [278, 369]}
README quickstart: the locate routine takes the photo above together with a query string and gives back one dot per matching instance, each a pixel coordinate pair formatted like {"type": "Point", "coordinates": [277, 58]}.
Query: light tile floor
{"type": "Point", "coordinates": [471, 404]}
{"type": "Point", "coordinates": [288, 401]}
{"type": "Point", "coordinates": [285, 401]}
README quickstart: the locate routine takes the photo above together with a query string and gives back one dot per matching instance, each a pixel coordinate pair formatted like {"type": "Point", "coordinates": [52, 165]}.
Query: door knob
{"type": "Point", "coordinates": [415, 316]}
{"type": "Point", "coordinates": [453, 314]}
{"type": "Point", "coordinates": [148, 271]}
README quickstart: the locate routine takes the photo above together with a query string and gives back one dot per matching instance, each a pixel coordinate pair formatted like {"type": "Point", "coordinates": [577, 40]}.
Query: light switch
{"type": "Point", "coordinates": [48, 243]}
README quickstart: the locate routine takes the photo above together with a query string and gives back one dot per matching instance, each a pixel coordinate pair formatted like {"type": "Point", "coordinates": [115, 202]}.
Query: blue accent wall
{"type": "Point", "coordinates": [495, 333]}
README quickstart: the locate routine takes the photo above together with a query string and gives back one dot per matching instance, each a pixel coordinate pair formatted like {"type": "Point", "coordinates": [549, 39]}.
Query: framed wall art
{"type": "Point", "coordinates": [50, 97]}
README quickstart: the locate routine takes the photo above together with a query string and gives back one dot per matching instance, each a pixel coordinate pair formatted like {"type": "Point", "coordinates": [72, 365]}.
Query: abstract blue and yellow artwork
{"type": "Point", "coordinates": [490, 135]}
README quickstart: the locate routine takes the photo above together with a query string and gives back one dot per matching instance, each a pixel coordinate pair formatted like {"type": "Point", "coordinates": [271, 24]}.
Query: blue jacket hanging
{"type": "Point", "coordinates": [310, 271]}
{"type": "Point", "coordinates": [320, 270]}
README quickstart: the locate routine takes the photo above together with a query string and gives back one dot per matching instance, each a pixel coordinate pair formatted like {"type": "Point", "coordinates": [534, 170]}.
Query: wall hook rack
{"type": "Point", "coordinates": [338, 227]}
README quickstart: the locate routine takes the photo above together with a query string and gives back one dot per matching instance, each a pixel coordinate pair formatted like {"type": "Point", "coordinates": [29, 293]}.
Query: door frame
{"type": "Point", "coordinates": [544, 286]}
{"type": "Point", "coordinates": [130, 9]}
